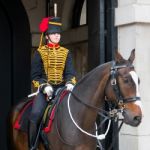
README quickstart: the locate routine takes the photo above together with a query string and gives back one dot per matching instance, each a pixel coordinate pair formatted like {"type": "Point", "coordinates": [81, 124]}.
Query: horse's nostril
{"type": "Point", "coordinates": [138, 118]}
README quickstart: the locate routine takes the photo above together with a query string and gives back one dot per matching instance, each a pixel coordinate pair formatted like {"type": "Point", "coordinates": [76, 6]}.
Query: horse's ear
{"type": "Point", "coordinates": [118, 57]}
{"type": "Point", "coordinates": [132, 56]}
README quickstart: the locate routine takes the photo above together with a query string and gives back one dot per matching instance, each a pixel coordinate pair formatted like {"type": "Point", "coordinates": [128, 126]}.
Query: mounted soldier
{"type": "Point", "coordinates": [51, 68]}
{"type": "Point", "coordinates": [73, 126]}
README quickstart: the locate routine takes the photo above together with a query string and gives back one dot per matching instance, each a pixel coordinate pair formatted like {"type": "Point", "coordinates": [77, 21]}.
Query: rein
{"type": "Point", "coordinates": [99, 137]}
{"type": "Point", "coordinates": [88, 105]}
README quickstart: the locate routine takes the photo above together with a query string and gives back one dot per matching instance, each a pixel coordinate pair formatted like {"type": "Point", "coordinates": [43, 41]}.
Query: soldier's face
{"type": "Point", "coordinates": [54, 38]}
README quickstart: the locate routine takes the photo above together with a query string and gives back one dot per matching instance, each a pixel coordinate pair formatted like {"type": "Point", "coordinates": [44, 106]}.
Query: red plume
{"type": "Point", "coordinates": [44, 24]}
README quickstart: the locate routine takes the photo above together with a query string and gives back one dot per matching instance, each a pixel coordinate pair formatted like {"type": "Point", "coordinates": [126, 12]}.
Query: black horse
{"type": "Point", "coordinates": [73, 127]}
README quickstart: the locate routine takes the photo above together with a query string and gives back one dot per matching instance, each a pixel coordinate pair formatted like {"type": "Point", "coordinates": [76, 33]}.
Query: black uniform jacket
{"type": "Point", "coordinates": [53, 65]}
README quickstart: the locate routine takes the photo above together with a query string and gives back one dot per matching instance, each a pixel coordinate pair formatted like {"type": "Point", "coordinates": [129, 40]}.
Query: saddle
{"type": "Point", "coordinates": [22, 120]}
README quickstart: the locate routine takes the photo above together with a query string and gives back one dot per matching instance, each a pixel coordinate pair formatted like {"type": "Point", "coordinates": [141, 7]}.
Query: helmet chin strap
{"type": "Point", "coordinates": [49, 40]}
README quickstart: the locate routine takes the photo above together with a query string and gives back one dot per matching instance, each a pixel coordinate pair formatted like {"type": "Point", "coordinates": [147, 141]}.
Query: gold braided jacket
{"type": "Point", "coordinates": [54, 60]}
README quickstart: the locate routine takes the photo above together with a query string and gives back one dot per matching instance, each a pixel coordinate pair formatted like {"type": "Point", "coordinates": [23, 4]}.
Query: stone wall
{"type": "Point", "coordinates": [133, 22]}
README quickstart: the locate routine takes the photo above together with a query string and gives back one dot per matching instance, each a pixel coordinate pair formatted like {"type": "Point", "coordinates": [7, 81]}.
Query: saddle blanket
{"type": "Point", "coordinates": [22, 120]}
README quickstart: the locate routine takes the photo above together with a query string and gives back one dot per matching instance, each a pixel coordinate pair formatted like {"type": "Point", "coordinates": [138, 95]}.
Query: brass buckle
{"type": "Point", "coordinates": [113, 82]}
{"type": "Point", "coordinates": [121, 104]}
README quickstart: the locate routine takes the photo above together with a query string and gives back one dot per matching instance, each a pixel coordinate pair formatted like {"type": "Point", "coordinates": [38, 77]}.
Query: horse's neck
{"type": "Point", "coordinates": [91, 87]}
{"type": "Point", "coordinates": [90, 90]}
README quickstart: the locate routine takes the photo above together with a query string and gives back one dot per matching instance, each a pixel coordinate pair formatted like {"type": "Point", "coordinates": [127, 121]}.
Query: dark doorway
{"type": "Point", "coordinates": [102, 43]}
{"type": "Point", "coordinates": [14, 60]}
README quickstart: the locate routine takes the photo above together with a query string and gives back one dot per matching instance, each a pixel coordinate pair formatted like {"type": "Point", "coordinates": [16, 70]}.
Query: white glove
{"type": "Point", "coordinates": [49, 91]}
{"type": "Point", "coordinates": [69, 86]}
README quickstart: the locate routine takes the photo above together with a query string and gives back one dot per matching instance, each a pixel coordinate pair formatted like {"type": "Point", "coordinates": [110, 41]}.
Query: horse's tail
{"type": "Point", "coordinates": [12, 133]}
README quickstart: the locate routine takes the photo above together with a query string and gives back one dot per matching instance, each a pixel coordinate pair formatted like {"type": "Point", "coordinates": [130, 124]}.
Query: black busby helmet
{"type": "Point", "coordinates": [50, 25]}
{"type": "Point", "coordinates": [54, 25]}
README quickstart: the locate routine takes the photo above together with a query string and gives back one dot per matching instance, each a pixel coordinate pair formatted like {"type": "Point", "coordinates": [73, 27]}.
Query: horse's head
{"type": "Point", "coordinates": [123, 89]}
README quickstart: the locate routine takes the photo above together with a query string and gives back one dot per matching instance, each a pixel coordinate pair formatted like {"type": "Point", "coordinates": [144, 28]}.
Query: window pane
{"type": "Point", "coordinates": [83, 14]}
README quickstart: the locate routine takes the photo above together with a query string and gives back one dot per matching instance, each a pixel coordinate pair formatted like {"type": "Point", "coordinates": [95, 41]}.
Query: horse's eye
{"type": "Point", "coordinates": [126, 80]}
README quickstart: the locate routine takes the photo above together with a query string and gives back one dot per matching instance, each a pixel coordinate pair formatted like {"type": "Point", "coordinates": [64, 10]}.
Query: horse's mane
{"type": "Point", "coordinates": [97, 70]}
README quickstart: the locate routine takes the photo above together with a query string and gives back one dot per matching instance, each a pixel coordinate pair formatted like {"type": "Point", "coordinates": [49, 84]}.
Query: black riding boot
{"type": "Point", "coordinates": [32, 132]}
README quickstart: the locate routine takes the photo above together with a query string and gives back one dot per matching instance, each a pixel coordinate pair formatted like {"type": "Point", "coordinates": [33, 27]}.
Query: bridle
{"type": "Point", "coordinates": [113, 77]}
{"type": "Point", "coordinates": [121, 101]}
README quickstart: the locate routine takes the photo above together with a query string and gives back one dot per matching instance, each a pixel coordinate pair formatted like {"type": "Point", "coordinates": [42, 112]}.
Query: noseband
{"type": "Point", "coordinates": [113, 75]}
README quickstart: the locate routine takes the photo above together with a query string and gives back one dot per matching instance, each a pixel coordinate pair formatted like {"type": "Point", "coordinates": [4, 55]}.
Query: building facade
{"type": "Point", "coordinates": [132, 18]}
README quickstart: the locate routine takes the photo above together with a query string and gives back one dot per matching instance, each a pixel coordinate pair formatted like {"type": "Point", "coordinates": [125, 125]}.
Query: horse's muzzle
{"type": "Point", "coordinates": [132, 119]}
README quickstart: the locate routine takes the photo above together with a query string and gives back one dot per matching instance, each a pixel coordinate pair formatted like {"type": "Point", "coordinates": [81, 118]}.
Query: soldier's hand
{"type": "Point", "coordinates": [69, 86]}
{"type": "Point", "coordinates": [48, 90]}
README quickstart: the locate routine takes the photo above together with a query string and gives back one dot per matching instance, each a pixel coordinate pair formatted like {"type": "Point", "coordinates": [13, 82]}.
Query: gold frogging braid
{"type": "Point", "coordinates": [54, 63]}
{"type": "Point", "coordinates": [55, 23]}
{"type": "Point", "coordinates": [73, 80]}
{"type": "Point", "coordinates": [36, 83]}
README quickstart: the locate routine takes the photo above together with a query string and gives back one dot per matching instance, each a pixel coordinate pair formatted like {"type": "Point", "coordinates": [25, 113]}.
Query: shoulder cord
{"type": "Point", "coordinates": [41, 39]}
{"type": "Point", "coordinates": [47, 63]}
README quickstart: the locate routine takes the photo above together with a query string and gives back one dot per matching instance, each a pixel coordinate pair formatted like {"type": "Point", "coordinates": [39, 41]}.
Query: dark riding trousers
{"type": "Point", "coordinates": [39, 105]}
